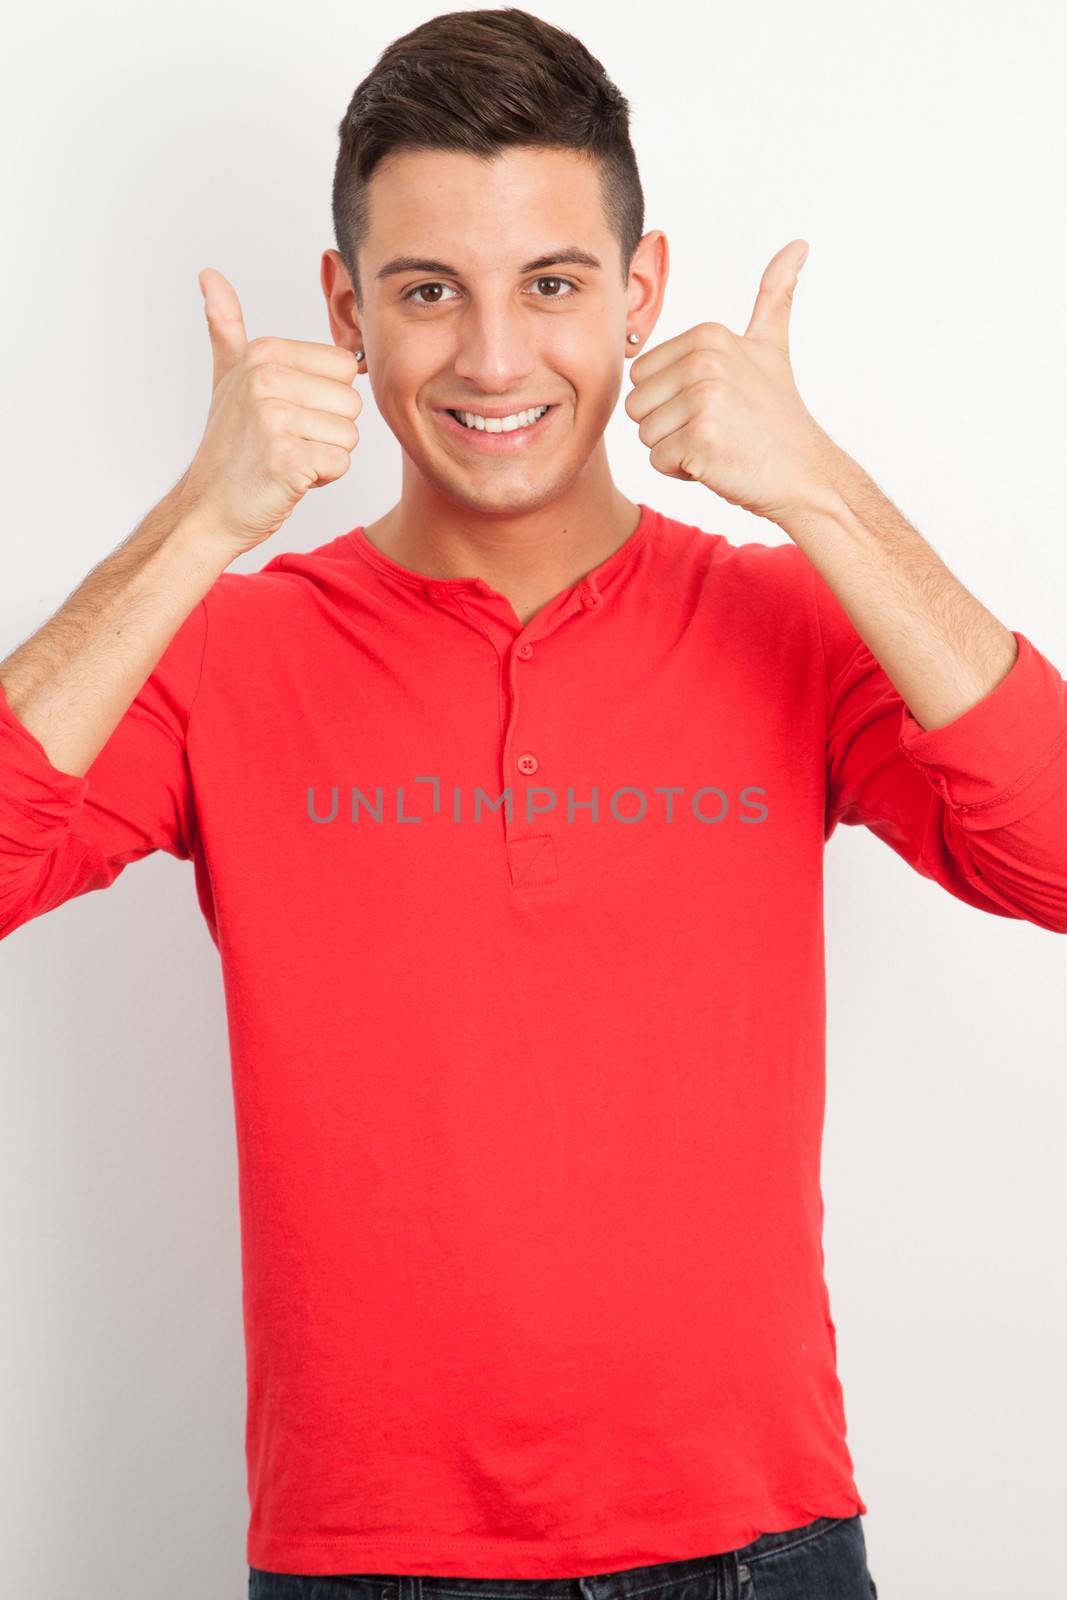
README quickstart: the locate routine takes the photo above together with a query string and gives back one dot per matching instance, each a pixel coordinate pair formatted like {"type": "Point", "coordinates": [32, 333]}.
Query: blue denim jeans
{"type": "Point", "coordinates": [823, 1560]}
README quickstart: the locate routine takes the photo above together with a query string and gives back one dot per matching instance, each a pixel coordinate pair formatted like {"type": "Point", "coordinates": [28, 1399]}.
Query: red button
{"type": "Point", "coordinates": [435, 593]}
{"type": "Point", "coordinates": [591, 600]}
{"type": "Point", "coordinates": [525, 651]}
{"type": "Point", "coordinates": [528, 762]}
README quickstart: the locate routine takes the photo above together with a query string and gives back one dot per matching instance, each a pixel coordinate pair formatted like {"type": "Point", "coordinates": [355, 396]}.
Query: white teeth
{"type": "Point", "coordinates": [520, 419]}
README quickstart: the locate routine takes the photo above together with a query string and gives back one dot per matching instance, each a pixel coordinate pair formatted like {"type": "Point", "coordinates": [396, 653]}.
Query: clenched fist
{"type": "Point", "coordinates": [282, 420]}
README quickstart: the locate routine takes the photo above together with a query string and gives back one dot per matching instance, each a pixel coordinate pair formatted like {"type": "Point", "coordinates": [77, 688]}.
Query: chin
{"type": "Point", "coordinates": [487, 495]}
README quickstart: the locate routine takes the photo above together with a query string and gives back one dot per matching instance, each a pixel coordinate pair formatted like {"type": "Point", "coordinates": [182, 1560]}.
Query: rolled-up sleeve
{"type": "Point", "coordinates": [63, 834]}
{"type": "Point", "coordinates": [979, 805]}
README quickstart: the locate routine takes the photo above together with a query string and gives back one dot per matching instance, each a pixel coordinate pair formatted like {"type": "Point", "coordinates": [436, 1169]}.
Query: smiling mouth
{"type": "Point", "coordinates": [513, 424]}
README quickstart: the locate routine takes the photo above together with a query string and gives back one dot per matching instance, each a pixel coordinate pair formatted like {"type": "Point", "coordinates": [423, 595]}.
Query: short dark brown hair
{"type": "Point", "coordinates": [477, 81]}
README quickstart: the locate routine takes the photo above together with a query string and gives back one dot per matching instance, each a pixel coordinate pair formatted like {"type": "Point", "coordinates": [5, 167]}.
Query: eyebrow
{"type": "Point", "coordinates": [569, 255]}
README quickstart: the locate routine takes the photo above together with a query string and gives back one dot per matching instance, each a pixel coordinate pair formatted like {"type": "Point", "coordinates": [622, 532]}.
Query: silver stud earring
{"type": "Point", "coordinates": [359, 355]}
{"type": "Point", "coordinates": [633, 338]}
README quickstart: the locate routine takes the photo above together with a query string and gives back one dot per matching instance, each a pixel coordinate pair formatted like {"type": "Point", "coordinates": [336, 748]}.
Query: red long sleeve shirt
{"type": "Point", "coordinates": [521, 933]}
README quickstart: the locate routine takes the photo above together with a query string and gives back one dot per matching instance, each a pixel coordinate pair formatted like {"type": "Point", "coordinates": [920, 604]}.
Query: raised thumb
{"type": "Point", "coordinates": [225, 323]}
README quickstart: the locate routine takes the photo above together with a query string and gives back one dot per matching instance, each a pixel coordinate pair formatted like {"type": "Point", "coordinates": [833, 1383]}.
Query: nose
{"type": "Point", "coordinates": [496, 349]}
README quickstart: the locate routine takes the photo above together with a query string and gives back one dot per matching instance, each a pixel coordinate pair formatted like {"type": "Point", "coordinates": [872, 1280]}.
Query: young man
{"type": "Point", "coordinates": [507, 814]}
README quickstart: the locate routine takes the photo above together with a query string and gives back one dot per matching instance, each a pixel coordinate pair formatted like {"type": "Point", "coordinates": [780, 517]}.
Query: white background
{"type": "Point", "coordinates": [920, 150]}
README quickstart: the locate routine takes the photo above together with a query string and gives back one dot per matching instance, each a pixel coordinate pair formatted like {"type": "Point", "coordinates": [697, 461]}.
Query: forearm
{"type": "Point", "coordinates": [941, 648]}
{"type": "Point", "coordinates": [71, 682]}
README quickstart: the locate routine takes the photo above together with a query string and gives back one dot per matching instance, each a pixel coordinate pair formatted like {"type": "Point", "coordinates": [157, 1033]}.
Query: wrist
{"type": "Point", "coordinates": [195, 531]}
{"type": "Point", "coordinates": [823, 494]}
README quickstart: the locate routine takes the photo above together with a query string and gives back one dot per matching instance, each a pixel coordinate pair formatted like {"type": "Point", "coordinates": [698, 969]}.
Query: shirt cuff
{"type": "Point", "coordinates": [997, 761]}
{"type": "Point", "coordinates": [37, 800]}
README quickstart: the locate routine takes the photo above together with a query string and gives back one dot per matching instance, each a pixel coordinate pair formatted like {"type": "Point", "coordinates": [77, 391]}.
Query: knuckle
{"type": "Point", "coordinates": [274, 413]}
{"type": "Point", "coordinates": [261, 377]}
{"type": "Point", "coordinates": [330, 462]}
{"type": "Point", "coordinates": [279, 454]}
{"type": "Point", "coordinates": [703, 363]}
{"type": "Point", "coordinates": [262, 349]}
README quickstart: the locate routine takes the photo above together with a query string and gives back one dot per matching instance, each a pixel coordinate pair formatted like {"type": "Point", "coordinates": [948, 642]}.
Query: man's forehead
{"type": "Point", "coordinates": [516, 208]}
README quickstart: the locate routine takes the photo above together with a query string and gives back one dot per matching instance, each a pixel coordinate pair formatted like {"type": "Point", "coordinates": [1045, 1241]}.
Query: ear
{"type": "Point", "coordinates": [341, 308]}
{"type": "Point", "coordinates": [646, 286]}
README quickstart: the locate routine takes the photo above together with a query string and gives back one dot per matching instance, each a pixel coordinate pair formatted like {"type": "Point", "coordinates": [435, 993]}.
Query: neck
{"type": "Point", "coordinates": [529, 555]}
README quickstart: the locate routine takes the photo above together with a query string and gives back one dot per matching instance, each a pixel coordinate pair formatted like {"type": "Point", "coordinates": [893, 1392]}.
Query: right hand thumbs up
{"type": "Point", "coordinates": [281, 421]}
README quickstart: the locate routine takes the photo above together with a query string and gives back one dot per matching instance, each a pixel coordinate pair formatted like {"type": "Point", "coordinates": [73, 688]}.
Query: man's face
{"type": "Point", "coordinates": [488, 316]}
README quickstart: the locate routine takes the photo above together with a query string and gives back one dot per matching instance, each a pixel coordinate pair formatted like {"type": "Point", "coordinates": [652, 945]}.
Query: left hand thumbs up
{"type": "Point", "coordinates": [723, 409]}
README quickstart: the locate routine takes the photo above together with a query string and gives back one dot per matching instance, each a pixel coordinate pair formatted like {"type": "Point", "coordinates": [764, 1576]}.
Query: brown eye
{"type": "Point", "coordinates": [423, 288]}
{"type": "Point", "coordinates": [565, 281]}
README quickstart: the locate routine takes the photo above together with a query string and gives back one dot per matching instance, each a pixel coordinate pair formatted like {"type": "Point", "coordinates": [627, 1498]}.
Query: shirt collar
{"type": "Point", "coordinates": [588, 586]}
